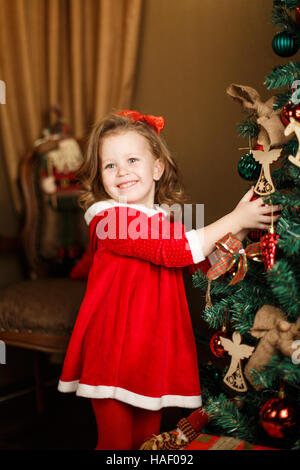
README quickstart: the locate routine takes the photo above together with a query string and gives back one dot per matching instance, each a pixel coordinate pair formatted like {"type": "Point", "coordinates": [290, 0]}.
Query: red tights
{"type": "Point", "coordinates": [122, 426]}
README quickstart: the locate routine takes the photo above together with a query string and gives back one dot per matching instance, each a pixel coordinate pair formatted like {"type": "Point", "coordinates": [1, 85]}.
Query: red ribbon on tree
{"type": "Point", "coordinates": [234, 253]}
{"type": "Point", "coordinates": [156, 122]}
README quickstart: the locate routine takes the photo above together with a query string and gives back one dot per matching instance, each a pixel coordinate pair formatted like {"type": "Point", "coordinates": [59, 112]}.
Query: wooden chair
{"type": "Point", "coordinates": [38, 313]}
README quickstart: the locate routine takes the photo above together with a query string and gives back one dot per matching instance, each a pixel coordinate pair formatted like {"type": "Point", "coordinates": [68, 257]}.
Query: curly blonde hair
{"type": "Point", "coordinates": [169, 189]}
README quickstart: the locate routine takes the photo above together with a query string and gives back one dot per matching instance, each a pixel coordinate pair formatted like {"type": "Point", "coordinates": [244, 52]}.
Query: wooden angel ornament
{"type": "Point", "coordinates": [276, 334]}
{"type": "Point", "coordinates": [294, 127]}
{"type": "Point", "coordinates": [265, 185]}
{"type": "Point", "coordinates": [234, 377]}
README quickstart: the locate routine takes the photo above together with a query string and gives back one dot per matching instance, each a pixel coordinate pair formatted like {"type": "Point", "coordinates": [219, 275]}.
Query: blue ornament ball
{"type": "Point", "coordinates": [284, 44]}
{"type": "Point", "coordinates": [248, 168]}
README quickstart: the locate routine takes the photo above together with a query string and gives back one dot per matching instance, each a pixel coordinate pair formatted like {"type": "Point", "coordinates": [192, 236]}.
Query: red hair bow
{"type": "Point", "coordinates": [156, 122]}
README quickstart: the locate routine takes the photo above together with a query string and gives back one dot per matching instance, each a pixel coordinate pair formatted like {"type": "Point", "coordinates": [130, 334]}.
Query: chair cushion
{"type": "Point", "coordinates": [41, 306]}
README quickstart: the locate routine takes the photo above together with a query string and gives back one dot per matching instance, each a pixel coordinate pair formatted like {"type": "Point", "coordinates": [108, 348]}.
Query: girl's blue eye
{"type": "Point", "coordinates": [134, 160]}
{"type": "Point", "coordinates": [110, 165]}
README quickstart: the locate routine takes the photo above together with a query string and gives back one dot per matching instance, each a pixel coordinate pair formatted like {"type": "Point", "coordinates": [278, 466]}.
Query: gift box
{"type": "Point", "coordinates": [210, 442]}
{"type": "Point", "coordinates": [188, 436]}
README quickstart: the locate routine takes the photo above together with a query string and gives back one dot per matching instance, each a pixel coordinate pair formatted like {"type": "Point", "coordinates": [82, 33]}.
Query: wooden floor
{"type": "Point", "coordinates": [67, 423]}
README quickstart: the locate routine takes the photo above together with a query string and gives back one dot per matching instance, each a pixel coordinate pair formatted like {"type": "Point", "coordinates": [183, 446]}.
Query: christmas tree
{"type": "Point", "coordinates": [253, 294]}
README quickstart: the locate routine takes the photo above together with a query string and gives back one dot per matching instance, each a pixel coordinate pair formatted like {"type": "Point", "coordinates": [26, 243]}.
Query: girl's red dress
{"type": "Point", "coordinates": [133, 339]}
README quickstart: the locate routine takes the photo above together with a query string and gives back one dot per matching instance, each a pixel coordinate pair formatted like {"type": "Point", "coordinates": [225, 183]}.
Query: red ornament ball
{"type": "Point", "coordinates": [297, 15]}
{"type": "Point", "coordinates": [278, 418]}
{"type": "Point", "coordinates": [296, 112]}
{"type": "Point", "coordinates": [288, 111]}
{"type": "Point", "coordinates": [216, 346]}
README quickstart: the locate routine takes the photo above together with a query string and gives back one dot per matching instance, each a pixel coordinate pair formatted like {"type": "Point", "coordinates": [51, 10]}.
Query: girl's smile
{"type": "Point", "coordinates": [128, 168]}
{"type": "Point", "coordinates": [127, 185]}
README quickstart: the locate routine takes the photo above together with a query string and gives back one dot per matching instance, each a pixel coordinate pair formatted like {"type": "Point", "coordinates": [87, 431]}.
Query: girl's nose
{"type": "Point", "coordinates": [122, 170]}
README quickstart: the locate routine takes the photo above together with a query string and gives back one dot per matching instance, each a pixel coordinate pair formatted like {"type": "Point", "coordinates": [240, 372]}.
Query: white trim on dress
{"type": "Point", "coordinates": [195, 246]}
{"type": "Point", "coordinates": [134, 399]}
{"type": "Point", "coordinates": [99, 206]}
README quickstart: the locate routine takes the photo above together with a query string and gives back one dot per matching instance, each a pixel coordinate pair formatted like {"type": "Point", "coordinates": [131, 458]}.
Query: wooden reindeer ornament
{"type": "Point", "coordinates": [234, 376]}
{"type": "Point", "coordinates": [276, 334]}
{"type": "Point", "coordinates": [271, 132]}
{"type": "Point", "coordinates": [294, 127]}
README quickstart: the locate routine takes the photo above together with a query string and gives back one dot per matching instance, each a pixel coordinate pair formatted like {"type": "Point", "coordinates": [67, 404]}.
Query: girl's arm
{"type": "Point", "coordinates": [246, 215]}
{"type": "Point", "coordinates": [135, 235]}
{"type": "Point", "coordinates": [191, 248]}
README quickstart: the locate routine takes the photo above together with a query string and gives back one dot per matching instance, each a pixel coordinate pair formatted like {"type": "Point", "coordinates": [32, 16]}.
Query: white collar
{"type": "Point", "coordinates": [99, 206]}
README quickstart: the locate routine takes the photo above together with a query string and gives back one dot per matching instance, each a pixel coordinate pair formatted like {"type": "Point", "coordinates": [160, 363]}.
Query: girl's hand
{"type": "Point", "coordinates": [246, 216]}
{"type": "Point", "coordinates": [242, 234]}
{"type": "Point", "coordinates": [253, 214]}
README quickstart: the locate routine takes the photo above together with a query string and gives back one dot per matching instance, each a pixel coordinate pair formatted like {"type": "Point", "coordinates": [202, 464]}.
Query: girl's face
{"type": "Point", "coordinates": [128, 168]}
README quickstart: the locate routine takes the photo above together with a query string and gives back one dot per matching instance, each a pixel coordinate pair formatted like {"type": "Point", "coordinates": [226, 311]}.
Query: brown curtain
{"type": "Point", "coordinates": [77, 54]}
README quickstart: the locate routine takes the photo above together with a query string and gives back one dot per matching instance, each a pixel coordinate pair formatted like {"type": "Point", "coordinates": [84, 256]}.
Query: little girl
{"type": "Point", "coordinates": [132, 350]}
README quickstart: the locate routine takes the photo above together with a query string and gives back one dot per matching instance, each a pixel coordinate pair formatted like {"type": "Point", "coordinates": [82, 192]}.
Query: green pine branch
{"type": "Point", "coordinates": [290, 148]}
{"type": "Point", "coordinates": [289, 4]}
{"type": "Point", "coordinates": [284, 286]}
{"type": "Point", "coordinates": [296, 445]}
{"type": "Point", "coordinates": [226, 417]}
{"type": "Point", "coordinates": [290, 200]}
{"type": "Point", "coordinates": [281, 18]}
{"type": "Point", "coordinates": [283, 75]}
{"type": "Point", "coordinates": [288, 229]}
{"type": "Point", "coordinates": [288, 175]}
{"type": "Point", "coordinates": [278, 368]}
{"type": "Point", "coordinates": [237, 304]}
{"type": "Point", "coordinates": [249, 127]}
{"type": "Point", "coordinates": [282, 99]}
